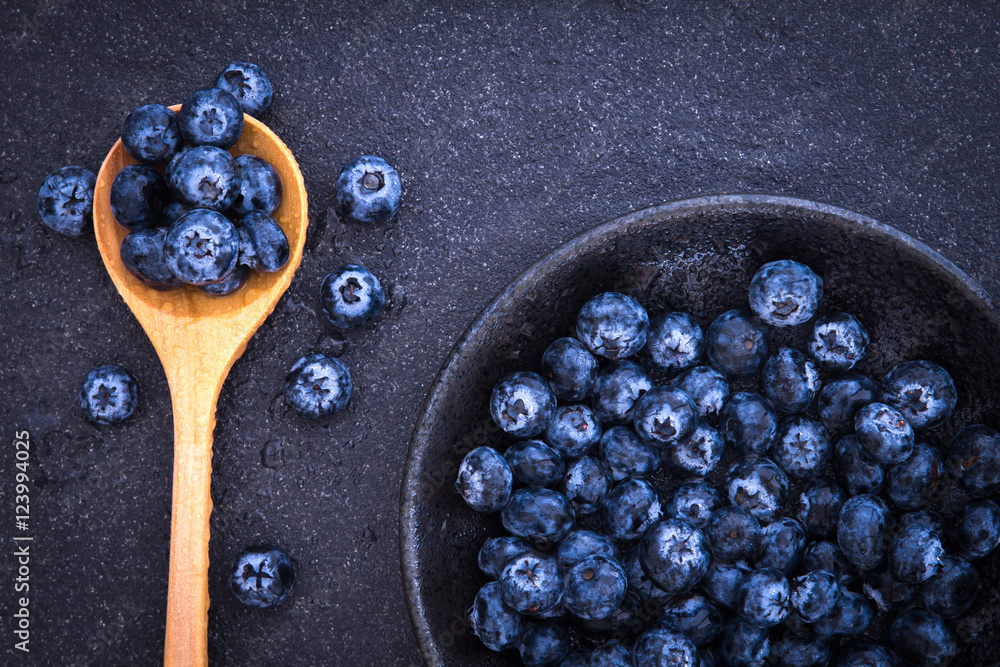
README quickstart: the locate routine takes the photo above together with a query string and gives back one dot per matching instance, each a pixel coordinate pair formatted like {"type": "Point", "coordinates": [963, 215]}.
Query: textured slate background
{"type": "Point", "coordinates": [514, 126]}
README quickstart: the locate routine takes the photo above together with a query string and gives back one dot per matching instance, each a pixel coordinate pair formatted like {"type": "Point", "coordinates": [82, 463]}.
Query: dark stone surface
{"type": "Point", "coordinates": [514, 127]}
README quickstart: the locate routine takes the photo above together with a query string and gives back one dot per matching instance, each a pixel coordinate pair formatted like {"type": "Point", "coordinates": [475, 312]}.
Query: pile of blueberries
{"type": "Point", "coordinates": [823, 528]}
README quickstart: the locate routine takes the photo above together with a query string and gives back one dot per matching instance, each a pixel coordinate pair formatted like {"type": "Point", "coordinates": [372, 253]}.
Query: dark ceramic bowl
{"type": "Point", "coordinates": [698, 256]}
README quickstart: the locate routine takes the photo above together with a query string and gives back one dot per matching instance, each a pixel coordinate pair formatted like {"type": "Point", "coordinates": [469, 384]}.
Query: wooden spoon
{"type": "Point", "coordinates": [198, 337]}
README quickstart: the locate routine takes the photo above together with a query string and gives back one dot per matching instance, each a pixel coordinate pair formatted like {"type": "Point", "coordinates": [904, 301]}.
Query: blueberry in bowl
{"type": "Point", "coordinates": [914, 304]}
{"type": "Point", "coordinates": [249, 84]}
{"type": "Point", "coordinates": [211, 117]}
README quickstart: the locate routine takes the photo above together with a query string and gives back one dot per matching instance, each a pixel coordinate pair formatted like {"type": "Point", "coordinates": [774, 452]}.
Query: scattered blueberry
{"type": "Point", "coordinates": [759, 486]}
{"type": "Point", "coordinates": [617, 389]}
{"type": "Point", "coordinates": [736, 344]}
{"type": "Point", "coordinates": [534, 463]}
{"type": "Point", "coordinates": [883, 433]}
{"type": "Point", "coordinates": [814, 595]}
{"type": "Point", "coordinates": [260, 186]}
{"type": "Point", "coordinates": [151, 134]}
{"type": "Point", "coordinates": [742, 644]}
{"type": "Point", "coordinates": [915, 554]}
{"type": "Point", "coordinates": [665, 415]}
{"type": "Point", "coordinates": [318, 385]}
{"type": "Point", "coordinates": [138, 195]}
{"type": "Point", "coordinates": [785, 293]}
{"type": "Point", "coordinates": [202, 247]}
{"type": "Point", "coordinates": [951, 592]}
{"type": "Point", "coordinates": [651, 596]}
{"type": "Point", "coordinates": [109, 395]}
{"type": "Point", "coordinates": [612, 654]}
{"type": "Point", "coordinates": [352, 297]}
{"type": "Point", "coordinates": [626, 455]}
{"type": "Point", "coordinates": [733, 533]}
{"type": "Point", "coordinates": [211, 117]}
{"type": "Point", "coordinates": [586, 485]}
{"type": "Point", "coordinates": [249, 84]}
{"type": "Point", "coordinates": [923, 638]}
{"type": "Point", "coordinates": [541, 514]}
{"type": "Point", "coordinates": [974, 457]}
{"type": "Point", "coordinates": [840, 399]}
{"type": "Point", "coordinates": [497, 625]}
{"type": "Point", "coordinates": [581, 544]}
{"type": "Point", "coordinates": [66, 200]}
{"type": "Point", "coordinates": [838, 342]}
{"type": "Point", "coordinates": [674, 342]}
{"type": "Point", "coordinates": [531, 583]}
{"type": "Point", "coordinates": [977, 531]}
{"type": "Point", "coordinates": [570, 368]}
{"type": "Point", "coordinates": [801, 447]}
{"type": "Point", "coordinates": [675, 555]}
{"type": "Point", "coordinates": [695, 455]}
{"type": "Point", "coordinates": [630, 508]}
{"type": "Point", "coordinates": [828, 556]}
{"type": "Point", "coordinates": [748, 423]}
{"type": "Point", "coordinates": [595, 587]}
{"type": "Point", "coordinates": [862, 530]}
{"type": "Point", "coordinates": [886, 591]}
{"type": "Point", "coordinates": [763, 598]}
{"type": "Point", "coordinates": [522, 404]}
{"type": "Point", "coordinates": [368, 189]}
{"type": "Point", "coordinates": [782, 544]}
{"type": "Point", "coordinates": [851, 617]}
{"type": "Point", "coordinates": [263, 244]}
{"type": "Point", "coordinates": [694, 502]}
{"type": "Point", "coordinates": [789, 380]}
{"type": "Point", "coordinates": [574, 430]}
{"type": "Point", "coordinates": [204, 177]}
{"type": "Point", "coordinates": [142, 255]}
{"type": "Point", "coordinates": [693, 615]}
{"type": "Point", "coordinates": [819, 507]}
{"type": "Point", "coordinates": [262, 576]}
{"type": "Point", "coordinates": [911, 484]}
{"type": "Point", "coordinates": [858, 474]}
{"type": "Point", "coordinates": [660, 646]}
{"type": "Point", "coordinates": [484, 480]}
{"type": "Point", "coordinates": [576, 659]}
{"type": "Point", "coordinates": [496, 552]}
{"type": "Point", "coordinates": [612, 325]}
{"type": "Point", "coordinates": [865, 654]}
{"type": "Point", "coordinates": [707, 386]}
{"type": "Point", "coordinates": [802, 650]}
{"type": "Point", "coordinates": [723, 580]}
{"type": "Point", "coordinates": [923, 391]}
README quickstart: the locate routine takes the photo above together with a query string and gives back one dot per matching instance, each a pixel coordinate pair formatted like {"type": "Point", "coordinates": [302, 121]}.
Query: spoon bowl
{"type": "Point", "coordinates": [198, 337]}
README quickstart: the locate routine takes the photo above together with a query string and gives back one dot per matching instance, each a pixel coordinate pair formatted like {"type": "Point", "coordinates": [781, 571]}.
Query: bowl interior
{"type": "Point", "coordinates": [697, 256]}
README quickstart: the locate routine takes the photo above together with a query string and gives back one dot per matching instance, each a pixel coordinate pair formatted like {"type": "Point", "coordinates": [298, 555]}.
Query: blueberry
{"type": "Point", "coordinates": [864, 654]}
{"type": "Point", "coordinates": [804, 650]}
{"type": "Point", "coordinates": [785, 293]}
{"type": "Point", "coordinates": [886, 591]}
{"type": "Point", "coordinates": [675, 555]}
{"type": "Point", "coordinates": [789, 380]}
{"type": "Point", "coordinates": [484, 480]}
{"type": "Point", "coordinates": [204, 177]}
{"type": "Point", "coordinates": [522, 404]}
{"type": "Point", "coordinates": [66, 200]}
{"type": "Point", "coordinates": [612, 325]}
{"type": "Point", "coordinates": [862, 530]}
{"type": "Point", "coordinates": [211, 117]}
{"type": "Point", "coordinates": [173, 212]}
{"type": "Point", "coordinates": [497, 625]}
{"type": "Point", "coordinates": [782, 544]}
{"type": "Point", "coordinates": [723, 580]}
{"type": "Point", "coordinates": [630, 508]}
{"type": "Point", "coordinates": [202, 247]}
{"type": "Point", "coordinates": [707, 386]}
{"type": "Point", "coordinates": [534, 463]}
{"type": "Point", "coordinates": [151, 134]}
{"type": "Point", "coordinates": [352, 297]}
{"type": "Point", "coordinates": [974, 457]}
{"type": "Point", "coordinates": [586, 485]}
{"type": "Point", "coordinates": [109, 395]}
{"type": "Point", "coordinates": [665, 415]}
{"type": "Point", "coordinates": [137, 196]}
{"type": "Point", "coordinates": [911, 484]}
{"type": "Point", "coordinates": [236, 279]}
{"type": "Point", "coordinates": [858, 474]}
{"type": "Point", "coordinates": [617, 389]}
{"type": "Point", "coordinates": [733, 533]}
{"type": "Point", "coordinates": [531, 583]}
{"type": "Point", "coordinates": [840, 399]}
{"type": "Point", "coordinates": [263, 244]}
{"type": "Point", "coordinates": [819, 507]}
{"type": "Point", "coordinates": [611, 654]}
{"type": "Point", "coordinates": [544, 644]}
{"type": "Point", "coordinates": [923, 391]}
{"type": "Point", "coordinates": [736, 344]}
{"type": "Point", "coordinates": [249, 85]}
{"type": "Point", "coordinates": [262, 576]}
{"type": "Point", "coordinates": [578, 658]}
{"type": "Point", "coordinates": [838, 342]}
{"type": "Point", "coordinates": [693, 615]}
{"type": "Point", "coordinates": [496, 552]}
{"type": "Point", "coordinates": [660, 646]}
{"type": "Point", "coordinates": [317, 386]}
{"type": "Point", "coordinates": [626, 455]}
{"type": "Point", "coordinates": [814, 595]}
{"type": "Point", "coordinates": [260, 186]}
{"type": "Point", "coordinates": [581, 544]}
{"type": "Point", "coordinates": [694, 502]}
{"type": "Point", "coordinates": [883, 433]}
{"type": "Point", "coordinates": [674, 342]}
{"type": "Point", "coordinates": [927, 518]}
{"type": "Point", "coordinates": [570, 368]}
{"type": "Point", "coordinates": [851, 617]}
{"type": "Point", "coordinates": [923, 638]}
{"type": "Point", "coordinates": [541, 514]}
{"type": "Point", "coordinates": [951, 592]}
{"type": "Point", "coordinates": [829, 557]}
{"type": "Point", "coordinates": [742, 644]}
{"type": "Point", "coordinates": [697, 454]}
{"type": "Point", "coordinates": [759, 486]}
{"type": "Point", "coordinates": [574, 430]}
{"type": "Point", "coordinates": [748, 423]}
{"type": "Point", "coordinates": [651, 596]}
{"type": "Point", "coordinates": [594, 587]}
{"type": "Point", "coordinates": [915, 554]}
{"type": "Point", "coordinates": [142, 255]}
{"type": "Point", "coordinates": [977, 530]}
{"type": "Point", "coordinates": [368, 189]}
{"type": "Point", "coordinates": [802, 447]}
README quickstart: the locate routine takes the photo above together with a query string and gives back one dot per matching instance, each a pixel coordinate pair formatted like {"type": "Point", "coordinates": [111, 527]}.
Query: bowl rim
{"type": "Point", "coordinates": [597, 235]}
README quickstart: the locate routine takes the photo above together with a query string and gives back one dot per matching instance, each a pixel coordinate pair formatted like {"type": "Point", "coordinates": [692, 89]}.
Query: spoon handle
{"type": "Point", "coordinates": [194, 398]}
